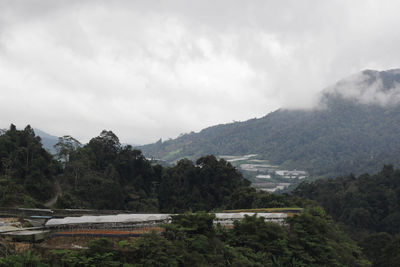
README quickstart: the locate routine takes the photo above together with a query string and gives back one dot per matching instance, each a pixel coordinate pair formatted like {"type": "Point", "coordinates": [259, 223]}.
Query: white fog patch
{"type": "Point", "coordinates": [368, 88]}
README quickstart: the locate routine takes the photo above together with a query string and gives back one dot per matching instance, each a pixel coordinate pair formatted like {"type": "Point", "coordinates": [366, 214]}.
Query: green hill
{"type": "Point", "coordinates": [354, 128]}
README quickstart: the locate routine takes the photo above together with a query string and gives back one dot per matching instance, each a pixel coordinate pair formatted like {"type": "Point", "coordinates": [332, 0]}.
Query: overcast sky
{"type": "Point", "coordinates": [151, 69]}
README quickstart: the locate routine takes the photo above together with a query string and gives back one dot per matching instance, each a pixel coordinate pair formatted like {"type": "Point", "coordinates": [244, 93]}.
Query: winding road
{"type": "Point", "coordinates": [53, 200]}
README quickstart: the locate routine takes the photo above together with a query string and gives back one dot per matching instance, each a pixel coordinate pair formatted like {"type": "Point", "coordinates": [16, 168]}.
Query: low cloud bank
{"type": "Point", "coordinates": [368, 87]}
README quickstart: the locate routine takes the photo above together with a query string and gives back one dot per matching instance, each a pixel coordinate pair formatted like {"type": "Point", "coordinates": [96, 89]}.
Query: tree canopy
{"type": "Point", "coordinates": [27, 171]}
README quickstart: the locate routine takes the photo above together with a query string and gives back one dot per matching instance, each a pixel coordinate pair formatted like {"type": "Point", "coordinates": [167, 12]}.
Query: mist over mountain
{"type": "Point", "coordinates": [353, 128]}
{"type": "Point", "coordinates": [368, 87]}
{"type": "Point", "coordinates": [48, 141]}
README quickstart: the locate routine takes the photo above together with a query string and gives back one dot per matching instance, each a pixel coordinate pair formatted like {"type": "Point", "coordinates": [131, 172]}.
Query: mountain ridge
{"type": "Point", "coordinates": [342, 134]}
{"type": "Point", "coordinates": [48, 141]}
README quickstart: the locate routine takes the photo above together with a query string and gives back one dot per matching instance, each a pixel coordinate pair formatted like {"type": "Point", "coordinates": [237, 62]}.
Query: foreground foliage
{"type": "Point", "coordinates": [103, 174]}
{"type": "Point", "coordinates": [368, 207]}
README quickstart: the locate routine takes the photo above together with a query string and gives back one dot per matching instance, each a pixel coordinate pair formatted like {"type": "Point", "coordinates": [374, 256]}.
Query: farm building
{"type": "Point", "coordinates": [134, 221]}
{"type": "Point", "coordinates": [108, 221]}
{"type": "Point", "coordinates": [229, 218]}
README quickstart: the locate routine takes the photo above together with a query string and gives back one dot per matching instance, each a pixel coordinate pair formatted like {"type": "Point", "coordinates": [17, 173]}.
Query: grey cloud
{"type": "Point", "coordinates": [368, 87]}
{"type": "Point", "coordinates": [151, 69]}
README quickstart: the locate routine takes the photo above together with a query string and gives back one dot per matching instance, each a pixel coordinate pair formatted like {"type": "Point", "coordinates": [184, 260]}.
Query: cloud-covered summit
{"type": "Point", "coordinates": [368, 87]}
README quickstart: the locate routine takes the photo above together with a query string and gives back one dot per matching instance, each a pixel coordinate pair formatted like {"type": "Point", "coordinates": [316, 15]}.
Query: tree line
{"type": "Point", "coordinates": [103, 174]}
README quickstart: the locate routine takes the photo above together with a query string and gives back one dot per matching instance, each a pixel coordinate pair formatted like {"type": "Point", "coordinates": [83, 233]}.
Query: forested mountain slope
{"type": "Point", "coordinates": [354, 128]}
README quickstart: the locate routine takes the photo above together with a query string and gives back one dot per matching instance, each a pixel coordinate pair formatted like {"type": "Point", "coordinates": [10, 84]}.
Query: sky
{"type": "Point", "coordinates": [155, 69]}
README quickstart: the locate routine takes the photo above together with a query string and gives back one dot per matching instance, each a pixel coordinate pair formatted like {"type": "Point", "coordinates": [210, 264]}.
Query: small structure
{"type": "Point", "coordinates": [229, 218]}
{"type": "Point", "coordinates": [120, 221]}
{"type": "Point", "coordinates": [31, 236]}
{"type": "Point", "coordinates": [263, 176]}
{"type": "Point", "coordinates": [291, 174]}
{"type": "Point", "coordinates": [137, 221]}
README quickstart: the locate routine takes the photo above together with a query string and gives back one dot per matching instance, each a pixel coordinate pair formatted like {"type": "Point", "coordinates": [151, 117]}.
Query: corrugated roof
{"type": "Point", "coordinates": [133, 218]}
{"type": "Point", "coordinates": [241, 215]}
{"type": "Point", "coordinates": [120, 218]}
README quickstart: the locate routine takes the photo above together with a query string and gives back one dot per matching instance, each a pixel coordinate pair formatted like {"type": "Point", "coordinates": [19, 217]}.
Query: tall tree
{"type": "Point", "coordinates": [65, 146]}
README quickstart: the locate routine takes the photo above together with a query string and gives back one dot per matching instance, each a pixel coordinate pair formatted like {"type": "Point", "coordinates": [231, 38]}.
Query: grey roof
{"type": "Point", "coordinates": [137, 218]}
{"type": "Point", "coordinates": [241, 215]}
{"type": "Point", "coordinates": [120, 218]}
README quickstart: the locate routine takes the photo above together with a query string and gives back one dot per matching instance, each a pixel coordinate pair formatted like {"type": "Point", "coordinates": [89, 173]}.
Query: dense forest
{"type": "Point", "coordinates": [27, 171]}
{"type": "Point", "coordinates": [103, 174]}
{"type": "Point", "coordinates": [367, 207]}
{"type": "Point", "coordinates": [338, 137]}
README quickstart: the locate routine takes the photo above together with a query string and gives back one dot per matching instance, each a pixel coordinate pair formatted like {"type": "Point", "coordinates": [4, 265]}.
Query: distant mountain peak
{"type": "Point", "coordinates": [44, 134]}
{"type": "Point", "coordinates": [48, 141]}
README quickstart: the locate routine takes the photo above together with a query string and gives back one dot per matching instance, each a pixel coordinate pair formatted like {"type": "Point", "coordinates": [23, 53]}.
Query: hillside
{"type": "Point", "coordinates": [354, 128]}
